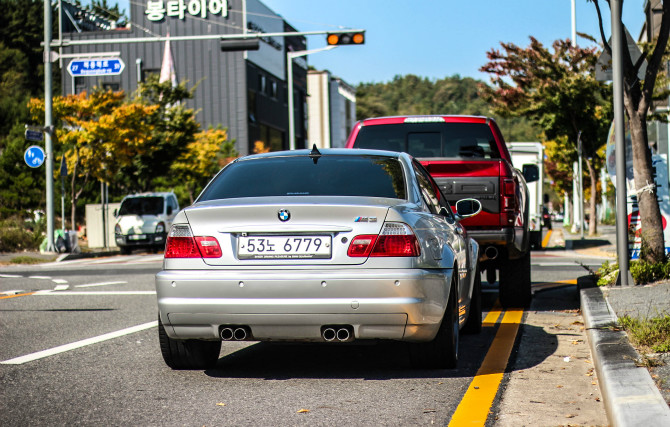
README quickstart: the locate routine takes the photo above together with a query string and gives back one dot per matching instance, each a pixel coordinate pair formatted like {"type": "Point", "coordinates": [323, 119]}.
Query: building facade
{"type": "Point", "coordinates": [245, 92]}
{"type": "Point", "coordinates": [331, 109]}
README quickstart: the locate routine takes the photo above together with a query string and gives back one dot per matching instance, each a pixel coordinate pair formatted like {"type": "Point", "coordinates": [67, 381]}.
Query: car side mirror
{"type": "Point", "coordinates": [466, 208]}
{"type": "Point", "coordinates": [116, 213]}
{"type": "Point", "coordinates": [531, 172]}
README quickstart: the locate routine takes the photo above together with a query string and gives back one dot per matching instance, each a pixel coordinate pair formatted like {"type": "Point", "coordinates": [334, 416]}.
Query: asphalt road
{"type": "Point", "coordinates": [121, 379]}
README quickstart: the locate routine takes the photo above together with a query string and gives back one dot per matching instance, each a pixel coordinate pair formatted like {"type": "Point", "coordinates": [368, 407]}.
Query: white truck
{"type": "Point", "coordinates": [524, 153]}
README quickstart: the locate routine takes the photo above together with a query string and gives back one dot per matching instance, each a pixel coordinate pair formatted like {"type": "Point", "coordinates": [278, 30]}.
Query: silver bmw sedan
{"type": "Point", "coordinates": [327, 246]}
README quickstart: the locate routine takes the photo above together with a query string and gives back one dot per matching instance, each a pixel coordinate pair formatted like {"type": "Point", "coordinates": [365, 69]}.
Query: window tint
{"type": "Point", "coordinates": [330, 175]}
{"type": "Point", "coordinates": [457, 140]}
{"type": "Point", "coordinates": [142, 206]}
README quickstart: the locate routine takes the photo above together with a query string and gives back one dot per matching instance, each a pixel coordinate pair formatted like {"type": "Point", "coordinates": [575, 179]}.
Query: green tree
{"type": "Point", "coordinates": [638, 98]}
{"type": "Point", "coordinates": [452, 95]}
{"type": "Point", "coordinates": [99, 134]}
{"type": "Point", "coordinates": [558, 91]}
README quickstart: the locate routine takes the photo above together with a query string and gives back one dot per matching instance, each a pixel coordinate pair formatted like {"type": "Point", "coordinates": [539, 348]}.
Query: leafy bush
{"type": "Point", "coordinates": [19, 235]}
{"type": "Point", "coordinates": [642, 272]}
{"type": "Point", "coordinates": [652, 333]}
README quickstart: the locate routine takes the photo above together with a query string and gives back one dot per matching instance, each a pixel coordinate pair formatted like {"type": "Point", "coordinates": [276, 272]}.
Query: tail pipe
{"type": "Point", "coordinates": [338, 333]}
{"type": "Point", "coordinates": [235, 333]}
{"type": "Point", "coordinates": [491, 252]}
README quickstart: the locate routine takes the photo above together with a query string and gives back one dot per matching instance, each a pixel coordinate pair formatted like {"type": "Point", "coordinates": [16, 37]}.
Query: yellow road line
{"type": "Point", "coordinates": [17, 295]}
{"type": "Point", "coordinates": [476, 404]}
{"type": "Point", "coordinates": [556, 284]}
{"type": "Point", "coordinates": [493, 315]}
{"type": "Point", "coordinates": [545, 241]}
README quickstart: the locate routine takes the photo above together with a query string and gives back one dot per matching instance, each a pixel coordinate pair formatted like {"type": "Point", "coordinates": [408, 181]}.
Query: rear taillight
{"type": "Point", "coordinates": [395, 240]}
{"type": "Point", "coordinates": [209, 246]}
{"type": "Point", "coordinates": [509, 205]}
{"type": "Point", "coordinates": [181, 244]}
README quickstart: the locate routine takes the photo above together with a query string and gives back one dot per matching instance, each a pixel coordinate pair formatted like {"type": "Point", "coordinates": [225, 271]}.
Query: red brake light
{"type": "Point", "coordinates": [181, 244]}
{"type": "Point", "coordinates": [396, 246]}
{"type": "Point", "coordinates": [362, 245]}
{"type": "Point", "coordinates": [396, 239]}
{"type": "Point", "coordinates": [209, 246]}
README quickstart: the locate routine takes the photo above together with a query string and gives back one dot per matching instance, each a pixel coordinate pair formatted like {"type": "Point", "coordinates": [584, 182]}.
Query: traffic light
{"type": "Point", "coordinates": [237, 44]}
{"type": "Point", "coordinates": [351, 37]}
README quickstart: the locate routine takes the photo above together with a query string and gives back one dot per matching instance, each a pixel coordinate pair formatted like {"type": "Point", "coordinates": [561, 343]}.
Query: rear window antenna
{"type": "Point", "coordinates": [315, 154]}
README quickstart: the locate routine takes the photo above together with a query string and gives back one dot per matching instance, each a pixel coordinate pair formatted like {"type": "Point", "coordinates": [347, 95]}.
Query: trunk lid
{"type": "Point", "coordinates": [318, 229]}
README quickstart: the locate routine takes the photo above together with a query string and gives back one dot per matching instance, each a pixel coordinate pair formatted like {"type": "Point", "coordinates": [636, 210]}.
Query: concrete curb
{"type": "Point", "coordinates": [630, 395]}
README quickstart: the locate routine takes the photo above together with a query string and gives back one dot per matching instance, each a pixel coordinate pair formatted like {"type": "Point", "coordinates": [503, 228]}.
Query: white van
{"type": "Point", "coordinates": [143, 220]}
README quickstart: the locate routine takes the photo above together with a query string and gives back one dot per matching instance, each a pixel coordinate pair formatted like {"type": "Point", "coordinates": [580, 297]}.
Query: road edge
{"type": "Point", "coordinates": [630, 395]}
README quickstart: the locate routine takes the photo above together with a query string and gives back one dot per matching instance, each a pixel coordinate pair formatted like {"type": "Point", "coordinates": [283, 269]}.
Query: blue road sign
{"type": "Point", "coordinates": [34, 156]}
{"type": "Point", "coordinates": [95, 67]}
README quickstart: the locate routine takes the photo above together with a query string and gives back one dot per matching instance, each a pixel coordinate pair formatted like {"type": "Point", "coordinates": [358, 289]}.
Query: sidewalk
{"type": "Point", "coordinates": [631, 396]}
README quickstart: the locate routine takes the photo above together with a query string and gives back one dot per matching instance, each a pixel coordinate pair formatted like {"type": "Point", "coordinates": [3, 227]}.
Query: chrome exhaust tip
{"type": "Point", "coordinates": [343, 334]}
{"type": "Point", "coordinates": [227, 334]}
{"type": "Point", "coordinates": [329, 334]}
{"type": "Point", "coordinates": [240, 334]}
{"type": "Point", "coordinates": [491, 252]}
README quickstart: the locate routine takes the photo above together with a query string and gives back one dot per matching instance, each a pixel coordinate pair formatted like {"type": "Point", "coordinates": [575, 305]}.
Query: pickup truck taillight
{"type": "Point", "coordinates": [508, 202]}
{"type": "Point", "coordinates": [182, 244]}
{"type": "Point", "coordinates": [395, 239]}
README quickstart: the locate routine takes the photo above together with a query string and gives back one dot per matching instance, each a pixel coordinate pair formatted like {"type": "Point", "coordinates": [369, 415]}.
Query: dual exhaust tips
{"type": "Point", "coordinates": [234, 333]}
{"type": "Point", "coordinates": [341, 333]}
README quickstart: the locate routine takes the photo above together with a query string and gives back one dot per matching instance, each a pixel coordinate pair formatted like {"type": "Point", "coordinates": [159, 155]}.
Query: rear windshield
{"type": "Point", "coordinates": [142, 206]}
{"type": "Point", "coordinates": [330, 175]}
{"type": "Point", "coordinates": [459, 140]}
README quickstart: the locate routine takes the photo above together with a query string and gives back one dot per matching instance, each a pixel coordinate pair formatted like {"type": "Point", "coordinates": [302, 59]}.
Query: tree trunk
{"type": "Point", "coordinates": [653, 245]}
{"type": "Point", "coordinates": [593, 220]}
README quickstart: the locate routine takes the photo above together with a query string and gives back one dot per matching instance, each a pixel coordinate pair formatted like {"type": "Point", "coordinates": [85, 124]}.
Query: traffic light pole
{"type": "Point", "coordinates": [291, 101]}
{"type": "Point", "coordinates": [48, 124]}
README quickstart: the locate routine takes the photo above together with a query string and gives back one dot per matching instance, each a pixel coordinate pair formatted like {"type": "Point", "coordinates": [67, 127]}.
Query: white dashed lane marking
{"type": "Point", "coordinates": [90, 285]}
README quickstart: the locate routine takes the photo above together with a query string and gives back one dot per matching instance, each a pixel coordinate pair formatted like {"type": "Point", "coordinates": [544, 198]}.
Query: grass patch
{"type": "Point", "coordinates": [24, 259]}
{"type": "Point", "coordinates": [651, 333]}
{"type": "Point", "coordinates": [642, 272]}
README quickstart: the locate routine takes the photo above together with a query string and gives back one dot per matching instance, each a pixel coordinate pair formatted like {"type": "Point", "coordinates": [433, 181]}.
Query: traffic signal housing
{"type": "Point", "coordinates": [237, 44]}
{"type": "Point", "coordinates": [350, 37]}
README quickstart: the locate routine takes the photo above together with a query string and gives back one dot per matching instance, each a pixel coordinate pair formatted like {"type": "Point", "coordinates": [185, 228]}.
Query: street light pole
{"type": "Point", "coordinates": [48, 124]}
{"type": "Point", "coordinates": [574, 24]}
{"type": "Point", "coordinates": [291, 116]}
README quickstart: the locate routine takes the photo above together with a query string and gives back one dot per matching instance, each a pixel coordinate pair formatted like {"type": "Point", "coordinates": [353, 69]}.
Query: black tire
{"type": "Point", "coordinates": [125, 250]}
{"type": "Point", "coordinates": [187, 354]}
{"type": "Point", "coordinates": [515, 290]}
{"type": "Point", "coordinates": [442, 351]}
{"type": "Point", "coordinates": [474, 323]}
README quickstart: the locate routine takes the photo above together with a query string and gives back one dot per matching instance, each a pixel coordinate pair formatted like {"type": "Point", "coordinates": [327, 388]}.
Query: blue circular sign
{"type": "Point", "coordinates": [34, 156]}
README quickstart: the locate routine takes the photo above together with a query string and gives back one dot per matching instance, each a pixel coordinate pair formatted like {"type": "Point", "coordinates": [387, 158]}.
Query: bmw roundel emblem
{"type": "Point", "coordinates": [284, 215]}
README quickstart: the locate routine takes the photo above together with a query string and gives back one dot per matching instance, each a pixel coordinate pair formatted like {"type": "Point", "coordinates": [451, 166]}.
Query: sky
{"type": "Point", "coordinates": [436, 38]}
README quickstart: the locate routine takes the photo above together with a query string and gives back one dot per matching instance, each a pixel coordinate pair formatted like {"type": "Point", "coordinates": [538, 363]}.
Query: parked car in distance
{"type": "Point", "coordinates": [142, 220]}
{"type": "Point", "coordinates": [467, 156]}
{"type": "Point", "coordinates": [332, 246]}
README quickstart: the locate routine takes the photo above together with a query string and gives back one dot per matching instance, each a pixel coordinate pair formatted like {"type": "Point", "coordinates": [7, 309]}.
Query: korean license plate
{"type": "Point", "coordinates": [284, 247]}
{"type": "Point", "coordinates": [137, 237]}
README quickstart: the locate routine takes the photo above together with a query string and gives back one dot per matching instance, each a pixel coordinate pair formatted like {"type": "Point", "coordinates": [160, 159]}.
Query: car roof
{"type": "Point", "coordinates": [323, 152]}
{"type": "Point", "coordinates": [151, 194]}
{"type": "Point", "coordinates": [424, 119]}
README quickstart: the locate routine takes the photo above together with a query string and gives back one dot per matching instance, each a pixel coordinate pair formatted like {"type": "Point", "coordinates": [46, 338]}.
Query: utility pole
{"type": "Point", "coordinates": [574, 24]}
{"type": "Point", "coordinates": [620, 146]}
{"type": "Point", "coordinates": [48, 124]}
{"type": "Point", "coordinates": [291, 101]}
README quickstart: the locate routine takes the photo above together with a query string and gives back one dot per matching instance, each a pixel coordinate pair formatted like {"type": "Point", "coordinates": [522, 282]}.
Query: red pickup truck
{"type": "Point", "coordinates": [467, 157]}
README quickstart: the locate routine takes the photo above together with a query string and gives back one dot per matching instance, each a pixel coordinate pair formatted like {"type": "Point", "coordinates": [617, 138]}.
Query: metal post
{"type": "Point", "coordinates": [62, 201]}
{"type": "Point", "coordinates": [104, 216]}
{"type": "Point", "coordinates": [574, 24]}
{"type": "Point", "coordinates": [289, 66]}
{"type": "Point", "coordinates": [620, 147]}
{"type": "Point", "coordinates": [48, 124]}
{"type": "Point", "coordinates": [580, 183]}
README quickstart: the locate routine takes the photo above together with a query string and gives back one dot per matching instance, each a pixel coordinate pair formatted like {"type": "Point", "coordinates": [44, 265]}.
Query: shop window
{"type": "Point", "coordinates": [273, 89]}
{"type": "Point", "coordinates": [251, 105]}
{"type": "Point", "coordinates": [262, 84]}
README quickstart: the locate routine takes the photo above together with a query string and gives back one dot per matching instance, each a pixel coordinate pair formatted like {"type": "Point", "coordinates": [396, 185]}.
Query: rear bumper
{"type": "Point", "coordinates": [146, 239]}
{"type": "Point", "coordinates": [510, 242]}
{"type": "Point", "coordinates": [293, 305]}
